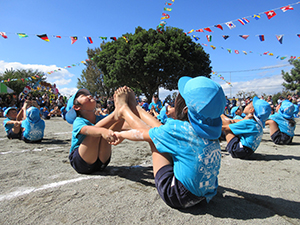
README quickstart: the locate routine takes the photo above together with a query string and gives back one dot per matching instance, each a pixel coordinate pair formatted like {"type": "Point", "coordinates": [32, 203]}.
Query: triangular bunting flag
{"type": "Point", "coordinates": [219, 26]}
{"type": "Point", "coordinates": [22, 35]}
{"type": "Point", "coordinates": [208, 38]}
{"type": "Point", "coordinates": [113, 38]}
{"type": "Point", "coordinates": [261, 37]}
{"type": "Point", "coordinates": [3, 34]}
{"type": "Point", "coordinates": [256, 16]}
{"type": "Point", "coordinates": [286, 8]}
{"type": "Point", "coordinates": [243, 21]}
{"type": "Point", "coordinates": [270, 14]}
{"type": "Point", "coordinates": [279, 38]}
{"type": "Point", "coordinates": [43, 37]}
{"type": "Point", "coordinates": [208, 29]}
{"type": "Point", "coordinates": [230, 25]}
{"type": "Point", "coordinates": [225, 36]}
{"type": "Point", "coordinates": [200, 30]}
{"type": "Point", "coordinates": [103, 38]}
{"type": "Point", "coordinates": [244, 36]}
{"type": "Point", "coordinates": [89, 40]}
{"type": "Point", "coordinates": [73, 39]}
{"type": "Point", "coordinates": [298, 35]}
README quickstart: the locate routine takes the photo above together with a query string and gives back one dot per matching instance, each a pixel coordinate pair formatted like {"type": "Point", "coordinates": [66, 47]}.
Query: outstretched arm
{"type": "Point", "coordinates": [132, 135]}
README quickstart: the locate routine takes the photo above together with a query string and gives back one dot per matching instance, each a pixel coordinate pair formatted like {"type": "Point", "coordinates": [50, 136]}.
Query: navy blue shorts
{"type": "Point", "coordinates": [281, 138]}
{"type": "Point", "coordinates": [12, 135]}
{"type": "Point", "coordinates": [29, 141]}
{"type": "Point", "coordinates": [236, 149]}
{"type": "Point", "coordinates": [83, 167]}
{"type": "Point", "coordinates": [172, 190]}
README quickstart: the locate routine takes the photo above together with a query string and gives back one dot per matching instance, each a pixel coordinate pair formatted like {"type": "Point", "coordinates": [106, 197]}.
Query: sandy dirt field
{"type": "Point", "coordinates": [38, 185]}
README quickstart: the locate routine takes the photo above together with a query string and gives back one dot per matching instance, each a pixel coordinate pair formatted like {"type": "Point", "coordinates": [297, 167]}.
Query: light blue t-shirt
{"type": "Point", "coordinates": [33, 131]}
{"type": "Point", "coordinates": [249, 132]}
{"type": "Point", "coordinates": [158, 104]}
{"type": "Point", "coordinates": [196, 160]}
{"type": "Point", "coordinates": [283, 124]}
{"type": "Point", "coordinates": [237, 117]}
{"type": "Point", "coordinates": [7, 127]}
{"type": "Point", "coordinates": [78, 123]}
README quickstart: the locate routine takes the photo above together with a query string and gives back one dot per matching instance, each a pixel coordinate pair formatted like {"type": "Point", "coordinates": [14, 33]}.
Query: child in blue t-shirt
{"type": "Point", "coordinates": [11, 124]}
{"type": "Point", "coordinates": [236, 113]}
{"type": "Point", "coordinates": [244, 136]}
{"type": "Point", "coordinates": [186, 152]}
{"type": "Point", "coordinates": [90, 151]}
{"type": "Point", "coordinates": [32, 125]}
{"type": "Point", "coordinates": [282, 124]}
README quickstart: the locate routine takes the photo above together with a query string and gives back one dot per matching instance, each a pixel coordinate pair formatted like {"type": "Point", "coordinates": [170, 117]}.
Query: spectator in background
{"type": "Point", "coordinates": [270, 101]}
{"type": "Point", "coordinates": [233, 102]}
{"type": "Point", "coordinates": [155, 104]}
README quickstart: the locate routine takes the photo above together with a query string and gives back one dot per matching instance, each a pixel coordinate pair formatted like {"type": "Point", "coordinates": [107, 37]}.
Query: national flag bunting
{"type": "Point", "coordinates": [200, 30]}
{"type": "Point", "coordinates": [209, 37]}
{"type": "Point", "coordinates": [56, 36]}
{"type": "Point", "coordinates": [229, 50]}
{"type": "Point", "coordinates": [22, 35]}
{"type": "Point", "coordinates": [126, 39]}
{"type": "Point", "coordinates": [191, 31]}
{"type": "Point", "coordinates": [113, 38]}
{"type": "Point", "coordinates": [245, 52]}
{"type": "Point", "coordinates": [213, 47]}
{"type": "Point", "coordinates": [243, 21]}
{"type": "Point", "coordinates": [230, 25]}
{"type": "Point", "coordinates": [219, 26]}
{"type": "Point", "coordinates": [89, 40]}
{"type": "Point", "coordinates": [225, 36]}
{"type": "Point", "coordinates": [169, 3]}
{"type": "Point", "coordinates": [244, 36]}
{"type": "Point", "coordinates": [196, 38]}
{"type": "Point", "coordinates": [103, 38]}
{"type": "Point", "coordinates": [236, 51]}
{"type": "Point", "coordinates": [265, 53]}
{"type": "Point", "coordinates": [286, 8]}
{"type": "Point", "coordinates": [208, 29]}
{"type": "Point", "coordinates": [261, 37]}
{"type": "Point", "coordinates": [43, 37]}
{"type": "Point", "coordinates": [298, 35]}
{"type": "Point", "coordinates": [3, 34]}
{"type": "Point", "coordinates": [73, 39]}
{"type": "Point", "coordinates": [256, 16]}
{"type": "Point", "coordinates": [270, 14]}
{"type": "Point", "coordinates": [168, 9]}
{"type": "Point", "coordinates": [279, 38]}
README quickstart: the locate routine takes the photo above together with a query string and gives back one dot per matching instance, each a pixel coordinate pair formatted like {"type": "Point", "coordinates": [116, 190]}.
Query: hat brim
{"type": "Point", "coordinates": [181, 84]}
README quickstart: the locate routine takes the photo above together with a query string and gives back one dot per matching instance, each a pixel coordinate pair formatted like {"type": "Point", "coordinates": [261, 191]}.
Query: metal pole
{"type": "Point", "coordinates": [230, 85]}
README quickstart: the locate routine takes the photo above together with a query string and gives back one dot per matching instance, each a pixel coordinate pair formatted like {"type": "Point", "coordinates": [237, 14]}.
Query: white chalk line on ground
{"type": "Point", "coordinates": [29, 190]}
{"type": "Point", "coordinates": [30, 150]}
{"type": "Point", "coordinates": [64, 132]}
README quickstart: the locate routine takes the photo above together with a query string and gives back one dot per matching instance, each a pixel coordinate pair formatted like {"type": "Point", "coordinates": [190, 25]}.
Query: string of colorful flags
{"type": "Point", "coordinates": [221, 77]}
{"type": "Point", "coordinates": [245, 20]}
{"type": "Point", "coordinates": [251, 52]}
{"type": "Point", "coordinates": [260, 37]}
{"type": "Point", "coordinates": [165, 16]}
{"type": "Point", "coordinates": [46, 38]}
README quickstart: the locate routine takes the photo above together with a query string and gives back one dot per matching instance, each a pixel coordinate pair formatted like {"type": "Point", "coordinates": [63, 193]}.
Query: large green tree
{"type": "Point", "coordinates": [151, 59]}
{"type": "Point", "coordinates": [92, 77]}
{"type": "Point", "coordinates": [20, 78]}
{"type": "Point", "coordinates": [292, 79]}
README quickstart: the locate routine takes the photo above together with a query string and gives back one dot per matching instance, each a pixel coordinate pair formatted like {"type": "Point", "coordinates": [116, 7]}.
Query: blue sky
{"type": "Point", "coordinates": [115, 18]}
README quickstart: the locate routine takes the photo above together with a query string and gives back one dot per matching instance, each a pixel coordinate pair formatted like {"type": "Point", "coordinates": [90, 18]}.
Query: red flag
{"type": "Point", "coordinates": [73, 39]}
{"type": "Point", "coordinates": [236, 51]}
{"type": "Point", "coordinates": [208, 29]}
{"type": "Point", "coordinates": [56, 36]}
{"type": "Point", "coordinates": [286, 8]}
{"type": "Point", "coordinates": [43, 37]}
{"type": "Point", "coordinates": [270, 14]}
{"type": "Point", "coordinates": [200, 30]}
{"type": "Point", "coordinates": [219, 26]}
{"type": "Point", "coordinates": [265, 53]}
{"type": "Point", "coordinates": [3, 34]}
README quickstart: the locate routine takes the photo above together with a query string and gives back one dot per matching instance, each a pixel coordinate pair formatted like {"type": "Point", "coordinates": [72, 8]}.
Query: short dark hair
{"type": "Point", "coordinates": [179, 107]}
{"type": "Point", "coordinates": [155, 96]}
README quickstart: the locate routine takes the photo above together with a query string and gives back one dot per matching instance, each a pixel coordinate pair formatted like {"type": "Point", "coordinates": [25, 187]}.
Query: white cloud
{"type": "Point", "coordinates": [62, 81]}
{"type": "Point", "coordinates": [59, 75]}
{"type": "Point", "coordinates": [163, 93]}
{"type": "Point", "coordinates": [67, 91]}
{"type": "Point", "coordinates": [268, 85]}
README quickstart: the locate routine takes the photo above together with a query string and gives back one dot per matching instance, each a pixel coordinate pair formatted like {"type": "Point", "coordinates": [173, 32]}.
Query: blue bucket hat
{"type": "Point", "coordinates": [7, 110]}
{"type": "Point", "coordinates": [287, 109]}
{"type": "Point", "coordinates": [33, 114]}
{"type": "Point", "coordinates": [233, 110]}
{"type": "Point", "coordinates": [71, 113]}
{"type": "Point", "coordinates": [262, 110]}
{"type": "Point", "coordinates": [206, 102]}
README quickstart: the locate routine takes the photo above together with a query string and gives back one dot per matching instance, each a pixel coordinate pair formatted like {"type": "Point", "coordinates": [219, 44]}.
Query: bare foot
{"type": "Point", "coordinates": [132, 100]}
{"type": "Point", "coordinates": [120, 98]}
